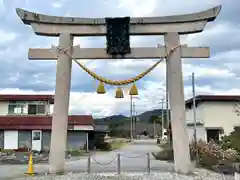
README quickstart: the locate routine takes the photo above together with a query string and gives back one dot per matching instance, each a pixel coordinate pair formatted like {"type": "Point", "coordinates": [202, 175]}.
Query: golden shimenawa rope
{"type": "Point", "coordinates": [116, 82]}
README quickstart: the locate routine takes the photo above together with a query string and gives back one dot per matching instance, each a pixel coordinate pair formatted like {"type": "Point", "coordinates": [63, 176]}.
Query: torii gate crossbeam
{"type": "Point", "coordinates": [68, 27]}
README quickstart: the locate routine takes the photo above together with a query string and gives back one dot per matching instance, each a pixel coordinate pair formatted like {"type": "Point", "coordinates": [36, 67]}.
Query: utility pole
{"type": "Point", "coordinates": [167, 104]}
{"type": "Point", "coordinates": [194, 113]}
{"type": "Point", "coordinates": [134, 120]}
{"type": "Point", "coordinates": [154, 128]}
{"type": "Point", "coordinates": [162, 118]}
{"type": "Point", "coordinates": [131, 124]}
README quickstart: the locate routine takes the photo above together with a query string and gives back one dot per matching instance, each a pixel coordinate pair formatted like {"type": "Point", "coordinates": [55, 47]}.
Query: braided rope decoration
{"type": "Point", "coordinates": [118, 82]}
{"type": "Point", "coordinates": [115, 82]}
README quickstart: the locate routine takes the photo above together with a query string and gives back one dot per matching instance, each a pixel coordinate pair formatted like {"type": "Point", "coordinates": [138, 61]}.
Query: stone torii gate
{"type": "Point", "coordinates": [170, 26]}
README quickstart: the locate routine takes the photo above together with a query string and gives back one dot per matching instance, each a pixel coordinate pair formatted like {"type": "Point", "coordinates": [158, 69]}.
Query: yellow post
{"type": "Point", "coordinates": [30, 165]}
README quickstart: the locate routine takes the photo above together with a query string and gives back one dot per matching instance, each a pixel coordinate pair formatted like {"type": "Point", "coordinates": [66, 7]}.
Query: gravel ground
{"type": "Point", "coordinates": [200, 175]}
{"type": "Point", "coordinates": [133, 166]}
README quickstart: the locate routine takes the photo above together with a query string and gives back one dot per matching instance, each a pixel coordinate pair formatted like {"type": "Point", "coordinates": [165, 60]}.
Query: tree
{"type": "Point", "coordinates": [155, 119]}
{"type": "Point", "coordinates": [232, 140]}
{"type": "Point", "coordinates": [236, 108]}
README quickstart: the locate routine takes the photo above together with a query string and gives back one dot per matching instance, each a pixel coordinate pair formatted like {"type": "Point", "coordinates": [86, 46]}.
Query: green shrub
{"type": "Point", "coordinates": [22, 149]}
{"type": "Point", "coordinates": [164, 155]}
{"type": "Point", "coordinates": [116, 144]}
{"type": "Point", "coordinates": [104, 146]}
{"type": "Point", "coordinates": [100, 144]}
{"type": "Point", "coordinates": [119, 133]}
{"type": "Point", "coordinates": [209, 154]}
{"type": "Point", "coordinates": [7, 151]}
{"type": "Point", "coordinates": [232, 140]}
{"type": "Point", "coordinates": [75, 152]}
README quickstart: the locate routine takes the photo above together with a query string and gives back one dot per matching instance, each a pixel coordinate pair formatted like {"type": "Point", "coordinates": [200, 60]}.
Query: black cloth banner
{"type": "Point", "coordinates": [118, 37]}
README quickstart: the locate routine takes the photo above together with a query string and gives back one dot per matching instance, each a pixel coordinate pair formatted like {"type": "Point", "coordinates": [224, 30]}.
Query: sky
{"type": "Point", "coordinates": [218, 74]}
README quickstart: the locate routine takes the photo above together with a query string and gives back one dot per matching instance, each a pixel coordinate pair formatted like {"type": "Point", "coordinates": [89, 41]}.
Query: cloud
{"type": "Point", "coordinates": [217, 75]}
{"type": "Point", "coordinates": [6, 36]}
{"type": "Point", "coordinates": [57, 4]}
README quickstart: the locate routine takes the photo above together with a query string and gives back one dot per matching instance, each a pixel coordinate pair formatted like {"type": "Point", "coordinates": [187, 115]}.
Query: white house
{"type": "Point", "coordinates": [25, 121]}
{"type": "Point", "coordinates": [216, 115]}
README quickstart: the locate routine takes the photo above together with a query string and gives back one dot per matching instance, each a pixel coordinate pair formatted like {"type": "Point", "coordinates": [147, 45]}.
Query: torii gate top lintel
{"type": "Point", "coordinates": [199, 21]}
{"type": "Point", "coordinates": [30, 17]}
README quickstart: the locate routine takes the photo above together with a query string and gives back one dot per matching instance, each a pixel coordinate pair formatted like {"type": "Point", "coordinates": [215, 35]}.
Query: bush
{"type": "Point", "coordinates": [116, 144]}
{"type": "Point", "coordinates": [232, 140]}
{"type": "Point", "coordinates": [22, 149]}
{"type": "Point", "coordinates": [209, 154]}
{"type": "Point", "coordinates": [7, 151]}
{"type": "Point", "coordinates": [119, 133]}
{"type": "Point", "coordinates": [100, 143]}
{"type": "Point", "coordinates": [164, 155]}
{"type": "Point", "coordinates": [104, 146]}
{"type": "Point", "coordinates": [75, 152]}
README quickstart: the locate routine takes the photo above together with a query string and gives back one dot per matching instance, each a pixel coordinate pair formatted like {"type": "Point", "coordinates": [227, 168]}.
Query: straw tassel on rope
{"type": "Point", "coordinates": [101, 88]}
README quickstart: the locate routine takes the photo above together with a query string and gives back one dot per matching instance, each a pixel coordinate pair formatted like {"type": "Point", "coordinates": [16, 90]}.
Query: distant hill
{"type": "Point", "coordinates": [116, 119]}
{"type": "Point", "coordinates": [145, 117]}
{"type": "Point", "coordinates": [111, 119]}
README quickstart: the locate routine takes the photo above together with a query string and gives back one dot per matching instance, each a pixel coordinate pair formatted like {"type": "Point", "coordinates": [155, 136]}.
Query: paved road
{"type": "Point", "coordinates": [133, 159]}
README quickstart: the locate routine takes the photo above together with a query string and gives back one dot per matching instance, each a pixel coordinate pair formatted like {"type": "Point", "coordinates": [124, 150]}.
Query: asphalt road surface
{"type": "Point", "coordinates": [133, 158]}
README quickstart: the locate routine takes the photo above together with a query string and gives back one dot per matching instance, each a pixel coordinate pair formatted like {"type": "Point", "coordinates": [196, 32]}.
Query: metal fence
{"type": "Point", "coordinates": [117, 158]}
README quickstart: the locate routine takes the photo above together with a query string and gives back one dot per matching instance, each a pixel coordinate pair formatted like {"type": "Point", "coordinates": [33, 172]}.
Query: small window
{"type": "Point", "coordinates": [41, 109]}
{"type": "Point", "coordinates": [36, 135]}
{"type": "Point", "coordinates": [32, 109]}
{"type": "Point", "coordinates": [16, 108]}
{"type": "Point", "coordinates": [11, 108]}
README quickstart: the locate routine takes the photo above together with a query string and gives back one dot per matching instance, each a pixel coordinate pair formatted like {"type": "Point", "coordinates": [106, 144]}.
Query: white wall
{"type": "Point", "coordinates": [215, 115]}
{"type": "Point", "coordinates": [220, 114]}
{"type": "Point", "coordinates": [199, 114]}
{"type": "Point", "coordinates": [83, 127]}
{"type": "Point", "coordinates": [200, 132]}
{"type": "Point", "coordinates": [3, 108]}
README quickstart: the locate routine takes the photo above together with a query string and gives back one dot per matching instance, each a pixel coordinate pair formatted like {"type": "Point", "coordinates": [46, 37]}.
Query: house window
{"type": "Point", "coordinates": [36, 109]}
{"type": "Point", "coordinates": [32, 109]}
{"type": "Point", "coordinates": [23, 107]}
{"type": "Point", "coordinates": [16, 107]}
{"type": "Point", "coordinates": [36, 135]}
{"type": "Point", "coordinates": [41, 109]}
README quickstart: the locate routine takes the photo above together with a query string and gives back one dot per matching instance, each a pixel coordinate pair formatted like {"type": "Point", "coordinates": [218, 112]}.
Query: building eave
{"type": "Point", "coordinates": [212, 98]}
{"type": "Point", "coordinates": [26, 97]}
{"type": "Point", "coordinates": [41, 122]}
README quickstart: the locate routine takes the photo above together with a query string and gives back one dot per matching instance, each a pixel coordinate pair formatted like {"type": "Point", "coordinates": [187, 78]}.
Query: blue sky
{"type": "Point", "coordinates": [217, 75]}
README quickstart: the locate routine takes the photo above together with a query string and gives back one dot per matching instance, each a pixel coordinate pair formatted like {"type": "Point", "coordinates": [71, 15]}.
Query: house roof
{"type": "Point", "coordinates": [26, 97]}
{"type": "Point", "coordinates": [40, 122]}
{"type": "Point", "coordinates": [213, 98]}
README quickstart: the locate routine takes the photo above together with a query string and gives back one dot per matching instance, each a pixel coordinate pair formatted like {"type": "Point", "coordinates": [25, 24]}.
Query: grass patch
{"type": "Point", "coordinates": [76, 152]}
{"type": "Point", "coordinates": [117, 145]}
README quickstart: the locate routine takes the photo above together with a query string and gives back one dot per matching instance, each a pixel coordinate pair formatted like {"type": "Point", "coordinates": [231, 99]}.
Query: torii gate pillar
{"type": "Point", "coordinates": [61, 106]}
{"type": "Point", "coordinates": [177, 104]}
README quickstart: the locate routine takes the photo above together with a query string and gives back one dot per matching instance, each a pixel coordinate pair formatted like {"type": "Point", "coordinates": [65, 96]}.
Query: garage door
{"type": "Point", "coordinates": [10, 139]}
